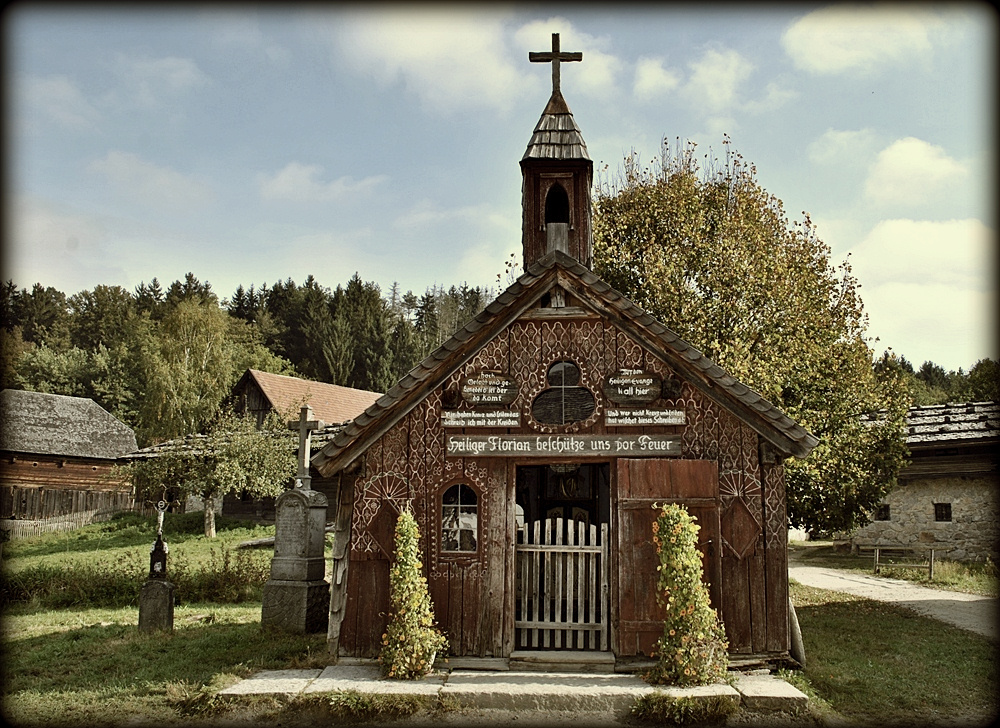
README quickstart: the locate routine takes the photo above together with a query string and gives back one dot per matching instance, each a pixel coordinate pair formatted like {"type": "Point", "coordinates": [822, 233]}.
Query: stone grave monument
{"type": "Point", "coordinates": [297, 596]}
{"type": "Point", "coordinates": [156, 599]}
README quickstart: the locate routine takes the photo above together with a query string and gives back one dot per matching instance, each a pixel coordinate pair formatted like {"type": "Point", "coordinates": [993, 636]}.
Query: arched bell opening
{"type": "Point", "coordinates": [557, 219]}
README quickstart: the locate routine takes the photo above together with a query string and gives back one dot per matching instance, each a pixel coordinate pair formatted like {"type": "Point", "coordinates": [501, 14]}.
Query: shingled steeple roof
{"type": "Point", "coordinates": [556, 134]}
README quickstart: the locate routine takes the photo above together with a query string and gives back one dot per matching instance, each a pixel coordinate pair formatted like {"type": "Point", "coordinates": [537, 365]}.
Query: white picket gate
{"type": "Point", "coordinates": [562, 586]}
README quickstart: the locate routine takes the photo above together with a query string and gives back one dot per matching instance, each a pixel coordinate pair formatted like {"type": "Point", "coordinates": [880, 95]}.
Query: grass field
{"type": "Point", "coordinates": [868, 663]}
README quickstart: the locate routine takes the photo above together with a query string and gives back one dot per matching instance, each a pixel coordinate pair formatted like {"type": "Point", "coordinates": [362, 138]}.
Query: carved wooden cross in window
{"type": "Point", "coordinates": [305, 425]}
{"type": "Point", "coordinates": [554, 57]}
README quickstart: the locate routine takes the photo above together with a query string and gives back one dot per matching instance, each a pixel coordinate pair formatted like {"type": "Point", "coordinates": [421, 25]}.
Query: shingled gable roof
{"type": "Point", "coordinates": [53, 424]}
{"type": "Point", "coordinates": [559, 269]}
{"type": "Point", "coordinates": [330, 402]}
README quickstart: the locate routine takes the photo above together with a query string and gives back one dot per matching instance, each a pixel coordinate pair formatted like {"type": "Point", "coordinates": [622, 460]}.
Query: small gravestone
{"type": "Point", "coordinates": [297, 596]}
{"type": "Point", "coordinates": [156, 599]}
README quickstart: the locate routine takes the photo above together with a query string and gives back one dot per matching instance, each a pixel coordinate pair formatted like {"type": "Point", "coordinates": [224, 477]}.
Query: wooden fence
{"type": "Point", "coordinates": [562, 586]}
{"type": "Point", "coordinates": [19, 528]}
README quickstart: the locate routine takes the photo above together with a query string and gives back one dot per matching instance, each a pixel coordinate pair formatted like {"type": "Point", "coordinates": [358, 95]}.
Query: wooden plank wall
{"type": "Point", "coordinates": [37, 488]}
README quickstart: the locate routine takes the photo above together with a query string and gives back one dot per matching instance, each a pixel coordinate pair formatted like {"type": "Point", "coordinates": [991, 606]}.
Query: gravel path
{"type": "Point", "coordinates": [968, 611]}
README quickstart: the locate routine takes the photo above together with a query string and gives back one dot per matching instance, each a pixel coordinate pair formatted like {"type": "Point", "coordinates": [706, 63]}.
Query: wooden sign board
{"type": "Point", "coordinates": [643, 417]}
{"type": "Point", "coordinates": [632, 387]}
{"type": "Point", "coordinates": [575, 446]}
{"type": "Point", "coordinates": [499, 418]}
{"type": "Point", "coordinates": [489, 389]}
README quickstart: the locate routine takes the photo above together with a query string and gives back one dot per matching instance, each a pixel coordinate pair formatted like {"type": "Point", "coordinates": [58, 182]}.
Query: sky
{"type": "Point", "coordinates": [253, 145]}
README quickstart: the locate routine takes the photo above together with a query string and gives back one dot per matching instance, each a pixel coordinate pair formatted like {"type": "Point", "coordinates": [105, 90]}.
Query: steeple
{"type": "Point", "coordinates": [556, 173]}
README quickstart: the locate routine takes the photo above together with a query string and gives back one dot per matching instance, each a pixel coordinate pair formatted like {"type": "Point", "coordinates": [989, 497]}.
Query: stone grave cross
{"type": "Point", "coordinates": [554, 57]}
{"type": "Point", "coordinates": [305, 425]}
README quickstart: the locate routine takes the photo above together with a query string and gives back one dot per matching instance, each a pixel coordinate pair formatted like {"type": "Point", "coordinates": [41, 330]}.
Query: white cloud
{"type": "Point", "coordinates": [861, 38]}
{"type": "Point", "coordinates": [715, 79]}
{"type": "Point", "coordinates": [930, 285]}
{"type": "Point", "coordinates": [954, 252]}
{"type": "Point", "coordinates": [912, 172]}
{"type": "Point", "coordinates": [843, 148]}
{"type": "Point", "coordinates": [450, 59]}
{"type": "Point", "coordinates": [775, 96]}
{"type": "Point", "coordinates": [151, 83]}
{"type": "Point", "coordinates": [151, 185]}
{"type": "Point", "coordinates": [939, 323]}
{"type": "Point", "coordinates": [302, 183]}
{"type": "Point", "coordinates": [652, 80]}
{"type": "Point", "coordinates": [58, 99]}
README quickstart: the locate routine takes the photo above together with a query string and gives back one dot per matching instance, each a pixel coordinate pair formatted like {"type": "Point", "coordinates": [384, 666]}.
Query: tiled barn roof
{"type": "Point", "coordinates": [53, 424]}
{"type": "Point", "coordinates": [330, 402]}
{"type": "Point", "coordinates": [952, 423]}
{"type": "Point", "coordinates": [560, 270]}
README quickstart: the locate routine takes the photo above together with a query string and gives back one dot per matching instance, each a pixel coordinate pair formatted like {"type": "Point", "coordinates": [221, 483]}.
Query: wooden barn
{"type": "Point", "coordinates": [534, 446]}
{"type": "Point", "coordinates": [260, 393]}
{"type": "Point", "coordinates": [56, 456]}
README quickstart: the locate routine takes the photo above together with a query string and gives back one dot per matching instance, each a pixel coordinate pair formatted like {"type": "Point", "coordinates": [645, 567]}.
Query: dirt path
{"type": "Point", "coordinates": [968, 611]}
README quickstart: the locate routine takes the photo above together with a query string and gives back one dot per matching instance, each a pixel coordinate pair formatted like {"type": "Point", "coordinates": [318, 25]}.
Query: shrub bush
{"type": "Point", "coordinates": [411, 640]}
{"type": "Point", "coordinates": [692, 650]}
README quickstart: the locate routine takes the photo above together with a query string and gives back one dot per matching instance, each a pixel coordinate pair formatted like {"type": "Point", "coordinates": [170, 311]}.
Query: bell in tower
{"type": "Point", "coordinates": [556, 174]}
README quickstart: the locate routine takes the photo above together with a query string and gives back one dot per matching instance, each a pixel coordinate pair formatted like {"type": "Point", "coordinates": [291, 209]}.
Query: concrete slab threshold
{"type": "Point", "coordinates": [514, 690]}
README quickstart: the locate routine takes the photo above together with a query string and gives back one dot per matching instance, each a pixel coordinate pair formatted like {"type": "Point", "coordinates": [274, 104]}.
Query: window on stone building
{"type": "Point", "coordinates": [942, 511]}
{"type": "Point", "coordinates": [459, 519]}
{"type": "Point", "coordinates": [882, 514]}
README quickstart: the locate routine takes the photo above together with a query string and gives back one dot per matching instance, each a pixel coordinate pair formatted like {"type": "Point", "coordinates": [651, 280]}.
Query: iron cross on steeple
{"type": "Point", "coordinates": [555, 57]}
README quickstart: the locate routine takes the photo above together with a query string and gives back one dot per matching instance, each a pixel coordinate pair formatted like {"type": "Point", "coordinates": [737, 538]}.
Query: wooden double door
{"type": "Point", "coordinates": [585, 566]}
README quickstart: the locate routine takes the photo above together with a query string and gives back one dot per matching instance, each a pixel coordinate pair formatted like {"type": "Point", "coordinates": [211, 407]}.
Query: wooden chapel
{"type": "Point", "coordinates": [533, 445]}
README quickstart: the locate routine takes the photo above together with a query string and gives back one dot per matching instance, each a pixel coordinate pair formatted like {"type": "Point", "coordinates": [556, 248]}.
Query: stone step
{"type": "Point", "coordinates": [562, 661]}
{"type": "Point", "coordinates": [521, 690]}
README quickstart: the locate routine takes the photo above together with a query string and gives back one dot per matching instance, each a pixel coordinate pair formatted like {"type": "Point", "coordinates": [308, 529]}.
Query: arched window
{"type": "Point", "coordinates": [556, 204]}
{"type": "Point", "coordinates": [564, 401]}
{"type": "Point", "coordinates": [459, 519]}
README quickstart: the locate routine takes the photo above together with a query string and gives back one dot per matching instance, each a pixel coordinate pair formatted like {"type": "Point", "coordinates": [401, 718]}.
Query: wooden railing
{"type": "Point", "coordinates": [886, 557]}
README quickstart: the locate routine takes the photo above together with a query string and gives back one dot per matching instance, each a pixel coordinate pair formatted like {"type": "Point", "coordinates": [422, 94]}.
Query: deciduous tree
{"type": "Point", "coordinates": [713, 256]}
{"type": "Point", "coordinates": [233, 456]}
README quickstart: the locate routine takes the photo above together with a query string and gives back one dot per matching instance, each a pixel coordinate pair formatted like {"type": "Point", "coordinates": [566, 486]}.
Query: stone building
{"type": "Point", "coordinates": [948, 497]}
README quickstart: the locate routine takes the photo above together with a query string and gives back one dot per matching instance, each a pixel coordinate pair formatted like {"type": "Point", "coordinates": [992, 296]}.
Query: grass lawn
{"type": "Point", "coordinates": [868, 663]}
{"type": "Point", "coordinates": [879, 664]}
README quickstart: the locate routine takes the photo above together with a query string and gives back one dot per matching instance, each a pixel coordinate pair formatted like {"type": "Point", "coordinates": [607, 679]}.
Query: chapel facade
{"type": "Point", "coordinates": [534, 446]}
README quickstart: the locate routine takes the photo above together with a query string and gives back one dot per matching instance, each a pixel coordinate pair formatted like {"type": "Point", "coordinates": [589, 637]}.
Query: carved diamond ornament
{"type": "Point", "coordinates": [739, 528]}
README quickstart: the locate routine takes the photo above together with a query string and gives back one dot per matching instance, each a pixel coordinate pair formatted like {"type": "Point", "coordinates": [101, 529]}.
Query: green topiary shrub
{"type": "Point", "coordinates": [411, 640]}
{"type": "Point", "coordinates": [692, 650]}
